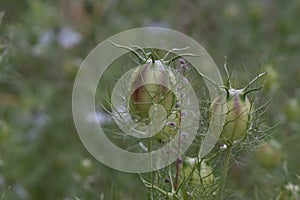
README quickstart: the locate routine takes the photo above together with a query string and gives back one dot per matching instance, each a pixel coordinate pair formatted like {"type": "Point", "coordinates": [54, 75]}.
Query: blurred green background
{"type": "Point", "coordinates": [44, 42]}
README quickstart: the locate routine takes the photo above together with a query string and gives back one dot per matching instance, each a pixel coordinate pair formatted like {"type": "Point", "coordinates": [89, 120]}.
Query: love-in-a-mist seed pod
{"type": "Point", "coordinates": [270, 154]}
{"type": "Point", "coordinates": [198, 176]}
{"type": "Point", "coordinates": [153, 83]}
{"type": "Point", "coordinates": [238, 112]}
{"type": "Point", "coordinates": [237, 115]}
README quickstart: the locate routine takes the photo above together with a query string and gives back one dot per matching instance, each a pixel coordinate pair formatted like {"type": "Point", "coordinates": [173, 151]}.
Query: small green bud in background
{"type": "Point", "coordinates": [3, 131]}
{"type": "Point", "coordinates": [255, 13]}
{"type": "Point", "coordinates": [271, 80]}
{"type": "Point", "coordinates": [270, 154]}
{"type": "Point", "coordinates": [232, 11]}
{"type": "Point", "coordinates": [292, 110]}
{"type": "Point", "coordinates": [85, 167]}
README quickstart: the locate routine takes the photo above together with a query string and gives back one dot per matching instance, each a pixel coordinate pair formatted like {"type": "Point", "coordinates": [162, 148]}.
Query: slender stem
{"type": "Point", "coordinates": [177, 162]}
{"type": "Point", "coordinates": [177, 175]}
{"type": "Point", "coordinates": [225, 171]}
{"type": "Point", "coordinates": [151, 173]}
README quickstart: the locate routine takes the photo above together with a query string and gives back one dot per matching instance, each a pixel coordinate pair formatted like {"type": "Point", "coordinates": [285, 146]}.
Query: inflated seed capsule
{"type": "Point", "coordinates": [199, 175]}
{"type": "Point", "coordinates": [154, 83]}
{"type": "Point", "coordinates": [270, 154]}
{"type": "Point", "coordinates": [237, 117]}
{"type": "Point", "coordinates": [151, 85]}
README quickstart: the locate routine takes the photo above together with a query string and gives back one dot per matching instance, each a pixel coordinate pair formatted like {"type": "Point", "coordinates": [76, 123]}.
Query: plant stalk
{"type": "Point", "coordinates": [225, 171]}
{"type": "Point", "coordinates": [151, 173]}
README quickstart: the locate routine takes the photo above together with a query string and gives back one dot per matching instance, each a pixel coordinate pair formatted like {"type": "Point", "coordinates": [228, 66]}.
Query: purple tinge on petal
{"type": "Point", "coordinates": [181, 61]}
{"type": "Point", "coordinates": [183, 114]}
{"type": "Point", "coordinates": [179, 160]}
{"type": "Point", "coordinates": [236, 104]}
{"type": "Point", "coordinates": [183, 135]}
{"type": "Point", "coordinates": [172, 124]}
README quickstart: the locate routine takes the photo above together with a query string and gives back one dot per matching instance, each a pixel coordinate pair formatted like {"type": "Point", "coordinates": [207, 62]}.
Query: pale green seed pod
{"type": "Point", "coordinates": [270, 154]}
{"type": "Point", "coordinates": [199, 177]}
{"type": "Point", "coordinates": [237, 118]}
{"type": "Point", "coordinates": [4, 131]}
{"type": "Point", "coordinates": [271, 80]}
{"type": "Point", "coordinates": [152, 84]}
{"type": "Point", "coordinates": [292, 110]}
{"type": "Point", "coordinates": [238, 115]}
{"type": "Point", "coordinates": [85, 167]}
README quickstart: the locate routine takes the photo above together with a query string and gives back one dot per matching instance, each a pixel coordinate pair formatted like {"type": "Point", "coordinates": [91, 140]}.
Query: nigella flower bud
{"type": "Point", "coordinates": [237, 116]}
{"type": "Point", "coordinates": [151, 84]}
{"type": "Point", "coordinates": [154, 83]}
{"type": "Point", "coordinates": [199, 175]}
{"type": "Point", "coordinates": [238, 108]}
{"type": "Point", "coordinates": [270, 154]}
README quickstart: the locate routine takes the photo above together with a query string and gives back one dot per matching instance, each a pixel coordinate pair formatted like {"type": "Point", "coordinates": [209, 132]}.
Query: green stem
{"type": "Point", "coordinates": [225, 171]}
{"type": "Point", "coordinates": [151, 173]}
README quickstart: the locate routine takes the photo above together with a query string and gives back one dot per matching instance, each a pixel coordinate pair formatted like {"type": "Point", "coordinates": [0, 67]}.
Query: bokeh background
{"type": "Point", "coordinates": [44, 42]}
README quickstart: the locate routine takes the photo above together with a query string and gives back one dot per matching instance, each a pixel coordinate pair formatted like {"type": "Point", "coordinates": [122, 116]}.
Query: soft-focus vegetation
{"type": "Point", "coordinates": [43, 44]}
